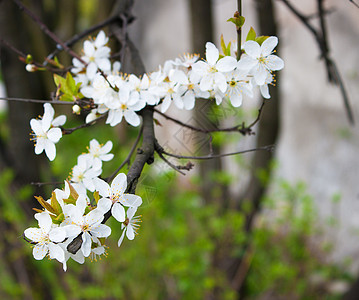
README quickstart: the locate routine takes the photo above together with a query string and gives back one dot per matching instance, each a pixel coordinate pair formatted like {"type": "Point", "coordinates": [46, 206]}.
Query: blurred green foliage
{"type": "Point", "coordinates": [184, 245]}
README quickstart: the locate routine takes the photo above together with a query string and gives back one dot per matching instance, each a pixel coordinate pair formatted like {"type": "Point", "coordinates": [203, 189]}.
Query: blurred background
{"type": "Point", "coordinates": [279, 225]}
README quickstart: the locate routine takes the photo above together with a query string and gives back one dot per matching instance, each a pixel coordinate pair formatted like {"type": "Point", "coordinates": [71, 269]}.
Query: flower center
{"type": "Point", "coordinates": [123, 106]}
{"type": "Point", "coordinates": [262, 60]}
{"type": "Point", "coordinates": [212, 69]}
{"type": "Point", "coordinates": [85, 227]}
{"type": "Point", "coordinates": [232, 83]}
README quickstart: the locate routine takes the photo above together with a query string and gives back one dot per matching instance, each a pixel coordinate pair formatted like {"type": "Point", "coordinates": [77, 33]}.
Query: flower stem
{"type": "Point", "coordinates": [239, 31]}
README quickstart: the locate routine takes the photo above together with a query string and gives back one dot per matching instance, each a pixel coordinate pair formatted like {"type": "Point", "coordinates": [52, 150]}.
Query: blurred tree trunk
{"type": "Point", "coordinates": [213, 192]}
{"type": "Point", "coordinates": [16, 149]}
{"type": "Point", "coordinates": [268, 125]}
{"type": "Point", "coordinates": [267, 133]}
{"type": "Point", "coordinates": [202, 32]}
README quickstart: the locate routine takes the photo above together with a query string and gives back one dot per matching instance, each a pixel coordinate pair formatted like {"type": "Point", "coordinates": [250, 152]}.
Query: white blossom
{"type": "Point", "coordinates": [46, 238]}
{"type": "Point", "coordinates": [129, 226]}
{"type": "Point", "coordinates": [259, 60]}
{"type": "Point", "coordinates": [211, 70]}
{"type": "Point", "coordinates": [45, 132]}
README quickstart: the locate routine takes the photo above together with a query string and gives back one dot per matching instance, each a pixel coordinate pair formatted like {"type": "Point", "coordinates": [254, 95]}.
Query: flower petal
{"type": "Point", "coordinates": [59, 121]}
{"type": "Point", "coordinates": [121, 238]}
{"type": "Point", "coordinates": [34, 234]}
{"type": "Point", "coordinates": [86, 244]}
{"type": "Point", "coordinates": [274, 63]}
{"type": "Point", "coordinates": [40, 251]}
{"type": "Point", "coordinates": [49, 113]}
{"type": "Point", "coordinates": [236, 99]}
{"type": "Point", "coordinates": [36, 126]}
{"type": "Point", "coordinates": [102, 187]}
{"type": "Point", "coordinates": [101, 231]}
{"type": "Point", "coordinates": [54, 134]}
{"type": "Point", "coordinates": [94, 217]}
{"type": "Point", "coordinates": [226, 64]}
{"type": "Point", "coordinates": [104, 204]}
{"type": "Point", "coordinates": [132, 118]}
{"type": "Point", "coordinates": [252, 48]}
{"type": "Point", "coordinates": [246, 63]}
{"type": "Point", "coordinates": [264, 91]}
{"type": "Point", "coordinates": [130, 233]}
{"type": "Point", "coordinates": [44, 221]}
{"type": "Point", "coordinates": [119, 184]}
{"type": "Point", "coordinates": [118, 212]}
{"type": "Point", "coordinates": [130, 200]}
{"type": "Point", "coordinates": [212, 53]}
{"type": "Point", "coordinates": [57, 235]}
{"type": "Point", "coordinates": [50, 150]}
{"type": "Point", "coordinates": [55, 251]}
{"type": "Point", "coordinates": [268, 45]}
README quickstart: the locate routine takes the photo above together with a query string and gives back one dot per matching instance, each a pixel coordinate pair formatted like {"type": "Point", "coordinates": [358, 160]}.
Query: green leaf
{"type": "Point", "coordinates": [66, 97]}
{"type": "Point", "coordinates": [58, 219]}
{"type": "Point", "coordinates": [70, 83]}
{"type": "Point", "coordinates": [73, 192]}
{"type": "Point", "coordinates": [251, 36]}
{"type": "Point", "coordinates": [223, 44]}
{"type": "Point", "coordinates": [45, 205]}
{"type": "Point", "coordinates": [55, 204]}
{"type": "Point", "coordinates": [96, 196]}
{"type": "Point", "coordinates": [29, 59]}
{"type": "Point", "coordinates": [225, 49]}
{"type": "Point", "coordinates": [237, 20]}
{"type": "Point", "coordinates": [261, 39]}
{"type": "Point", "coordinates": [59, 80]}
{"type": "Point", "coordinates": [56, 63]}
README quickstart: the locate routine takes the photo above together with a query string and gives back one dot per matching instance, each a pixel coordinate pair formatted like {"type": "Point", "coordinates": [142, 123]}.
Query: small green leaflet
{"type": "Point", "coordinates": [68, 87]}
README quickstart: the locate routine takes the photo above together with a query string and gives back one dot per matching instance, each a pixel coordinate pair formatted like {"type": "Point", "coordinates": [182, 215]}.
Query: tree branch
{"type": "Point", "coordinates": [352, 1]}
{"type": "Point", "coordinates": [46, 30]}
{"type": "Point", "coordinates": [71, 130]}
{"type": "Point", "coordinates": [79, 36]}
{"type": "Point", "coordinates": [37, 100]}
{"type": "Point", "coordinates": [128, 158]}
{"type": "Point", "coordinates": [238, 128]}
{"type": "Point", "coordinates": [160, 149]}
{"type": "Point", "coordinates": [322, 41]}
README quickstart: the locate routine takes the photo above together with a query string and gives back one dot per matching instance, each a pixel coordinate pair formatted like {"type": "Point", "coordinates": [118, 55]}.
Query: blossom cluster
{"type": "Point", "coordinates": [69, 218]}
{"type": "Point", "coordinates": [89, 166]}
{"type": "Point", "coordinates": [71, 225]}
{"type": "Point", "coordinates": [178, 81]}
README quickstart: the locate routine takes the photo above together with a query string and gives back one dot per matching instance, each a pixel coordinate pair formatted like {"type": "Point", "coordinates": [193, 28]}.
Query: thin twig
{"type": "Point", "coordinates": [23, 57]}
{"type": "Point", "coordinates": [239, 31]}
{"type": "Point", "coordinates": [37, 100]}
{"type": "Point", "coordinates": [128, 158]}
{"type": "Point", "coordinates": [159, 148]}
{"type": "Point", "coordinates": [259, 114]}
{"type": "Point", "coordinates": [45, 183]}
{"type": "Point", "coordinates": [83, 34]}
{"type": "Point", "coordinates": [352, 1]}
{"type": "Point", "coordinates": [71, 130]}
{"type": "Point", "coordinates": [321, 39]}
{"type": "Point", "coordinates": [238, 128]}
{"type": "Point", "coordinates": [169, 163]}
{"type": "Point", "coordinates": [46, 30]}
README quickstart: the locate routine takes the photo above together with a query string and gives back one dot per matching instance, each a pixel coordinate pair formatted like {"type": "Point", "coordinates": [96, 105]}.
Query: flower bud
{"type": "Point", "coordinates": [76, 109]}
{"type": "Point", "coordinates": [31, 68]}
